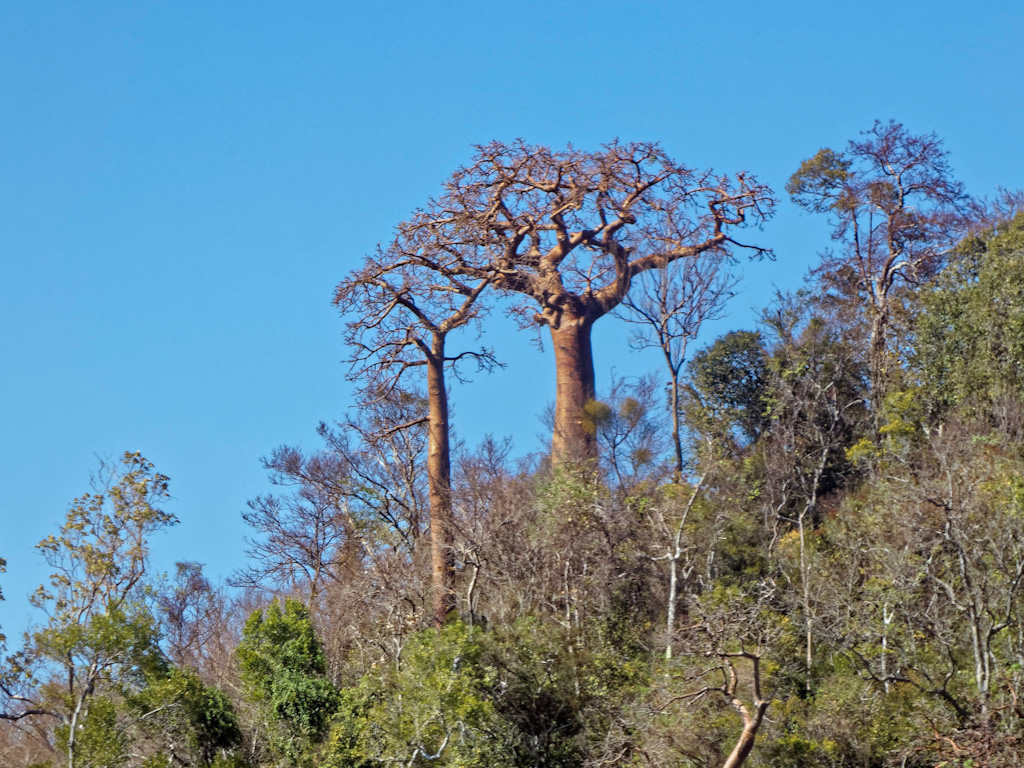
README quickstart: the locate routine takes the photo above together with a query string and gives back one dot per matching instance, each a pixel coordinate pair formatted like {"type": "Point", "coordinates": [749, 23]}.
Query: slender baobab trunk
{"type": "Point", "coordinates": [574, 436]}
{"type": "Point", "coordinates": [439, 480]}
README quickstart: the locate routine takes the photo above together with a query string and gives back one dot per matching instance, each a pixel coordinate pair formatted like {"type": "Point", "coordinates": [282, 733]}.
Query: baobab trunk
{"type": "Point", "coordinates": [573, 438]}
{"type": "Point", "coordinates": [442, 559]}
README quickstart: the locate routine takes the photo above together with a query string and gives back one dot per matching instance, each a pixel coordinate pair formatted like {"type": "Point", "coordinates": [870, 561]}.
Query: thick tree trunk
{"type": "Point", "coordinates": [574, 438]}
{"type": "Point", "coordinates": [442, 558]}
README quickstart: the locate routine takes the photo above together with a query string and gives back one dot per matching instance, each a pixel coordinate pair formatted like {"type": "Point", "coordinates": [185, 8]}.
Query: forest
{"type": "Point", "coordinates": [800, 544]}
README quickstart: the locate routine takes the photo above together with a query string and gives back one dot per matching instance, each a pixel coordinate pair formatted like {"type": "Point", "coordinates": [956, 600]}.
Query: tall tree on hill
{"type": "Point", "coordinates": [404, 315]}
{"type": "Point", "coordinates": [895, 210]}
{"type": "Point", "coordinates": [566, 231]}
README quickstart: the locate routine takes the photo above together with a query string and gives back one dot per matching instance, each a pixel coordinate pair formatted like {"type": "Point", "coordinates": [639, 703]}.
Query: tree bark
{"type": "Point", "coordinates": [876, 343]}
{"type": "Point", "coordinates": [442, 558]}
{"type": "Point", "coordinates": [677, 440]}
{"type": "Point", "coordinates": [574, 437]}
{"type": "Point", "coordinates": [745, 743]}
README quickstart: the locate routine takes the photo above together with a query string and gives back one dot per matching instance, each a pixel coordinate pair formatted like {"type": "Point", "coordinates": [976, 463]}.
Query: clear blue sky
{"type": "Point", "coordinates": [182, 185]}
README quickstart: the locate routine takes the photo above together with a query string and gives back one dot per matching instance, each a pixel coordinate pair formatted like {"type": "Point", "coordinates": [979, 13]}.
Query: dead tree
{"type": "Point", "coordinates": [402, 315]}
{"type": "Point", "coordinates": [565, 232]}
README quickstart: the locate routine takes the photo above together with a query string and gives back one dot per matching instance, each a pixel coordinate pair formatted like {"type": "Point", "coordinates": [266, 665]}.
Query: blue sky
{"type": "Point", "coordinates": [182, 185]}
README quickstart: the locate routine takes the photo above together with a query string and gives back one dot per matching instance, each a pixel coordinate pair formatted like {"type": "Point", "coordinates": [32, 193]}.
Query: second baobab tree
{"type": "Point", "coordinates": [402, 316]}
{"type": "Point", "coordinates": [563, 233]}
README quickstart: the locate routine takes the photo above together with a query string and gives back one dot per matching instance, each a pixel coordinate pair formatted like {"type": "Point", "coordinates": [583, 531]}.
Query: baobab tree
{"type": "Point", "coordinates": [895, 210]}
{"type": "Point", "coordinates": [565, 232]}
{"type": "Point", "coordinates": [402, 317]}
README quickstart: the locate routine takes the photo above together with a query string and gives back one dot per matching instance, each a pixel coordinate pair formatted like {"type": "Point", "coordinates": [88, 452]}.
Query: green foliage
{"type": "Point", "coordinates": [559, 688]}
{"type": "Point", "coordinates": [283, 668]}
{"type": "Point", "coordinates": [595, 414]}
{"type": "Point", "coordinates": [101, 552]}
{"type": "Point", "coordinates": [818, 180]}
{"type": "Point", "coordinates": [100, 741]}
{"type": "Point", "coordinates": [119, 646]}
{"type": "Point", "coordinates": [95, 666]}
{"type": "Point", "coordinates": [970, 334]}
{"type": "Point", "coordinates": [198, 720]}
{"type": "Point", "coordinates": [432, 708]}
{"type": "Point", "coordinates": [849, 722]}
{"type": "Point", "coordinates": [570, 495]}
{"type": "Point", "coordinates": [731, 378]}
{"type": "Point", "coordinates": [99, 642]}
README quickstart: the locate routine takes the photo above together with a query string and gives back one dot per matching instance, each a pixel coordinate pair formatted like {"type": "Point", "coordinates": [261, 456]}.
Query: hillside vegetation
{"type": "Point", "coordinates": [806, 550]}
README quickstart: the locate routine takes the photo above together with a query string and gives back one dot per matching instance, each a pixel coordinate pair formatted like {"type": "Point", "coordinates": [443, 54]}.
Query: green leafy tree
{"type": "Point", "coordinates": [432, 708]}
{"type": "Point", "coordinates": [184, 721]}
{"type": "Point", "coordinates": [99, 638]}
{"type": "Point", "coordinates": [730, 381]}
{"type": "Point", "coordinates": [283, 669]}
{"type": "Point", "coordinates": [970, 333]}
{"type": "Point", "coordinates": [93, 678]}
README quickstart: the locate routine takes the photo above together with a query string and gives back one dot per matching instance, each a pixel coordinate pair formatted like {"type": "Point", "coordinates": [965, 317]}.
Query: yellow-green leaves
{"type": "Point", "coordinates": [817, 183]}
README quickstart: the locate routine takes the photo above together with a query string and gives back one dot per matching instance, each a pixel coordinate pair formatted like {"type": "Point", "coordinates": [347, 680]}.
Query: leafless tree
{"type": "Point", "coordinates": [564, 232]}
{"type": "Point", "coordinates": [670, 306]}
{"type": "Point", "coordinates": [401, 317]}
{"type": "Point", "coordinates": [191, 613]}
{"type": "Point", "coordinates": [989, 212]}
{"type": "Point", "coordinates": [346, 525]}
{"type": "Point", "coordinates": [300, 534]}
{"type": "Point", "coordinates": [896, 211]}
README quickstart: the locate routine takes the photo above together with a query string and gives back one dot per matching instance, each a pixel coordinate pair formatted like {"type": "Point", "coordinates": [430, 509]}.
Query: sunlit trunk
{"type": "Point", "coordinates": [574, 438]}
{"type": "Point", "coordinates": [745, 743]}
{"type": "Point", "coordinates": [442, 558]}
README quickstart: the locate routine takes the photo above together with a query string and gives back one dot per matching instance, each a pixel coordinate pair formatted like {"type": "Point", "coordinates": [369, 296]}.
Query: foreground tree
{"type": "Point", "coordinates": [896, 212]}
{"type": "Point", "coordinates": [92, 679]}
{"type": "Point", "coordinates": [565, 232]}
{"type": "Point", "coordinates": [283, 670]}
{"type": "Point", "coordinates": [98, 629]}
